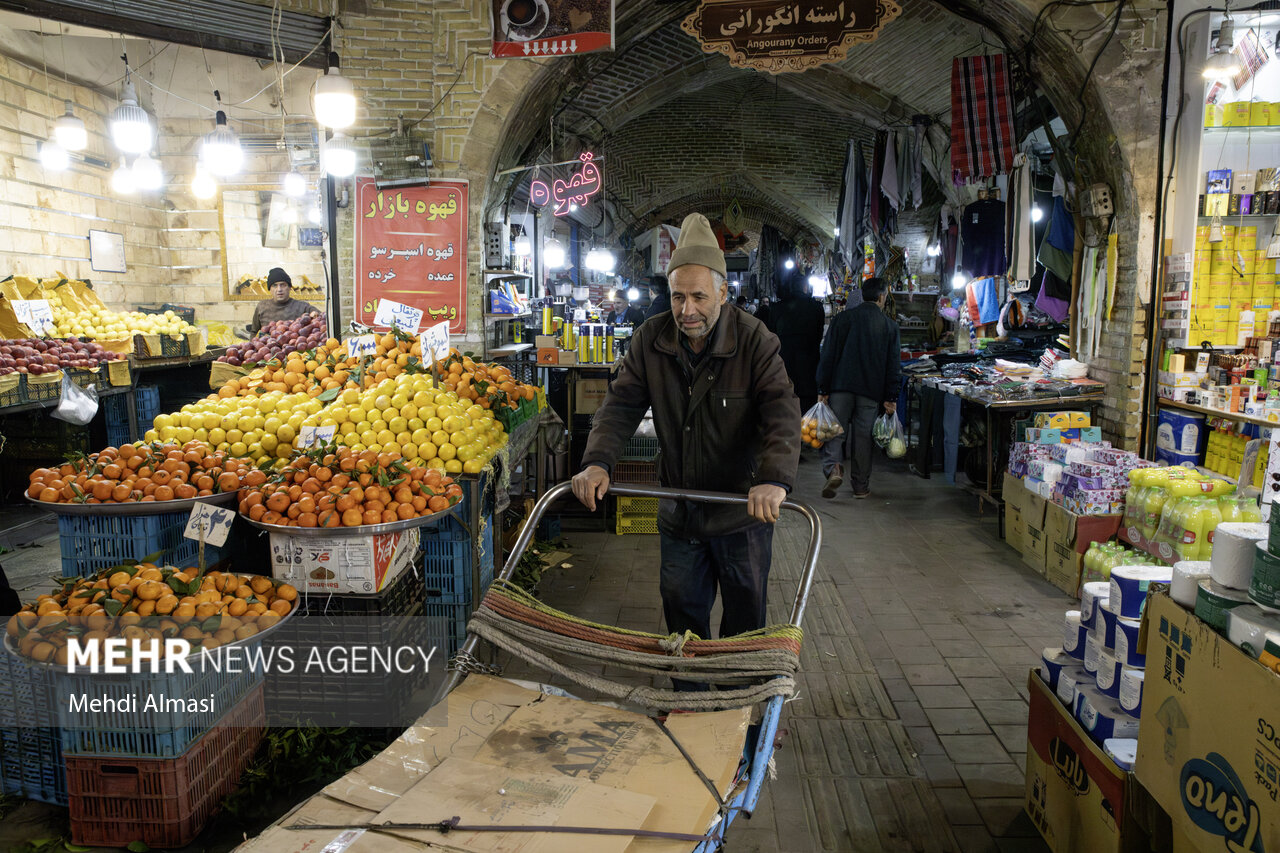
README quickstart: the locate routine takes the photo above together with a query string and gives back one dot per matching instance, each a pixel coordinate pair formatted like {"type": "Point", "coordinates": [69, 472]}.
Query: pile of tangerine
{"type": "Point", "coordinates": [338, 487]}
{"type": "Point", "coordinates": [142, 473]}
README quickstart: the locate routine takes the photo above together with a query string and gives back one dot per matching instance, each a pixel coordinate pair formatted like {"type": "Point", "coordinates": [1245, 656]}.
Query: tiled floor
{"type": "Point", "coordinates": [909, 728]}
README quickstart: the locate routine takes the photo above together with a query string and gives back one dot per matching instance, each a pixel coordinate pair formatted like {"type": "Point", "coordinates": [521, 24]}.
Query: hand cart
{"type": "Point", "coordinates": [760, 738]}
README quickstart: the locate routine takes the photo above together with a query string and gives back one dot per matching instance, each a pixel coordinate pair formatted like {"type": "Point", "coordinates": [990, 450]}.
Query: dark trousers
{"type": "Point", "coordinates": [857, 415]}
{"type": "Point", "coordinates": [692, 570]}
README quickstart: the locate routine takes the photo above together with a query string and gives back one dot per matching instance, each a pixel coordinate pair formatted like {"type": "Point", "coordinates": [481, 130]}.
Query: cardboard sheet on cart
{"type": "Point", "coordinates": [498, 732]}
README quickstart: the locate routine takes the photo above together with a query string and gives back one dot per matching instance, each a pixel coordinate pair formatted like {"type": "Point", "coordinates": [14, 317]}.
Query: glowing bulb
{"type": "Point", "coordinates": [836, 230]}
{"type": "Point", "coordinates": [203, 185]}
{"type": "Point", "coordinates": [68, 130]}
{"type": "Point", "coordinates": [335, 98]}
{"type": "Point", "coordinates": [313, 214]}
{"type": "Point", "coordinates": [1223, 64]}
{"type": "Point", "coordinates": [934, 249]}
{"type": "Point", "coordinates": [817, 282]}
{"type": "Point", "coordinates": [601, 260]}
{"type": "Point", "coordinates": [147, 173]}
{"type": "Point", "coordinates": [1037, 213]}
{"type": "Point", "coordinates": [522, 246]}
{"type": "Point", "coordinates": [338, 156]}
{"type": "Point", "coordinates": [122, 180]}
{"type": "Point", "coordinates": [220, 152]}
{"type": "Point", "coordinates": [53, 157]}
{"type": "Point", "coordinates": [295, 185]}
{"type": "Point", "coordinates": [553, 255]}
{"type": "Point", "coordinates": [632, 294]}
{"type": "Point", "coordinates": [573, 208]}
{"type": "Point", "coordinates": [789, 264]}
{"type": "Point", "coordinates": [130, 125]}
{"type": "Point", "coordinates": [959, 280]}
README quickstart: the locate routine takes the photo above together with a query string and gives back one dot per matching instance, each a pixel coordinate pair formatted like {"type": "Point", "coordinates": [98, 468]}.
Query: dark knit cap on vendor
{"type": "Point", "coordinates": [697, 245]}
{"type": "Point", "coordinates": [276, 275]}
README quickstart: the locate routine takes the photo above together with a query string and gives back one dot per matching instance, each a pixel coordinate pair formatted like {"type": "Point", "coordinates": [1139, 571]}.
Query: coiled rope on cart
{"type": "Point", "coordinates": [745, 669]}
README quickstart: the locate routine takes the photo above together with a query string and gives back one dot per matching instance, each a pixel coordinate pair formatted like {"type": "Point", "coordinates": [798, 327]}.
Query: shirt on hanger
{"type": "Point", "coordinates": [982, 239]}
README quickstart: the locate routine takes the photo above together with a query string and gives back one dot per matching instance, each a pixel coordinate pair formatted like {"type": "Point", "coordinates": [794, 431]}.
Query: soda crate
{"type": "Point", "coordinates": [635, 473]}
{"type": "Point", "coordinates": [446, 625]}
{"type": "Point", "coordinates": [638, 506]}
{"type": "Point", "coordinates": [154, 733]}
{"type": "Point", "coordinates": [146, 407]}
{"type": "Point", "coordinates": [628, 524]}
{"type": "Point", "coordinates": [163, 802]}
{"type": "Point", "coordinates": [91, 543]}
{"type": "Point", "coordinates": [640, 448]}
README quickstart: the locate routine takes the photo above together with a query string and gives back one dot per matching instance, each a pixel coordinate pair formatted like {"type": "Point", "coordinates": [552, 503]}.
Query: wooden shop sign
{"type": "Point", "coordinates": [774, 37]}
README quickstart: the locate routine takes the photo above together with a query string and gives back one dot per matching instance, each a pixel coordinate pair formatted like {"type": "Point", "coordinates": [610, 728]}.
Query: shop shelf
{"type": "Point", "coordinates": [628, 524]}
{"type": "Point", "coordinates": [91, 543]}
{"type": "Point", "coordinates": [163, 802]}
{"type": "Point", "coordinates": [640, 448]}
{"type": "Point", "coordinates": [31, 765]}
{"type": "Point", "coordinates": [147, 406]}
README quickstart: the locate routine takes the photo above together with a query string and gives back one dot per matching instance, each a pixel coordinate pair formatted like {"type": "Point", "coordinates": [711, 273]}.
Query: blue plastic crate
{"type": "Point", "coordinates": [31, 765]}
{"type": "Point", "coordinates": [446, 625]}
{"type": "Point", "coordinates": [147, 406]}
{"type": "Point", "coordinates": [26, 697]}
{"type": "Point", "coordinates": [91, 543]}
{"type": "Point", "coordinates": [143, 733]}
{"type": "Point", "coordinates": [446, 564]}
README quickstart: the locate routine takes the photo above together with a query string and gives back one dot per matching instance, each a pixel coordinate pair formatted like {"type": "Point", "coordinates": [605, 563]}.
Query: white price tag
{"type": "Point", "coordinates": [435, 342]}
{"type": "Point", "coordinates": [35, 314]}
{"type": "Point", "coordinates": [403, 317]}
{"type": "Point", "coordinates": [310, 436]}
{"type": "Point", "coordinates": [362, 346]}
{"type": "Point", "coordinates": [214, 521]}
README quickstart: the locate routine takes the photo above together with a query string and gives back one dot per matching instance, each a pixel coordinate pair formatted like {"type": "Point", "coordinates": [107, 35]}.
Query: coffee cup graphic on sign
{"type": "Point", "coordinates": [523, 20]}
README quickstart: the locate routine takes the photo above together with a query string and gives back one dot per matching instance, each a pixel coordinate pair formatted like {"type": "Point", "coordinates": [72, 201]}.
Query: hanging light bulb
{"type": "Point", "coordinates": [1037, 213]}
{"type": "Point", "coordinates": [53, 157]}
{"type": "Point", "coordinates": [313, 214]}
{"type": "Point", "coordinates": [959, 280]}
{"type": "Point", "coordinates": [1223, 64]}
{"type": "Point", "coordinates": [220, 152]}
{"type": "Point", "coordinates": [147, 173]}
{"type": "Point", "coordinates": [130, 125]}
{"type": "Point", "coordinates": [335, 98]}
{"type": "Point", "coordinates": [122, 180]}
{"type": "Point", "coordinates": [934, 250]}
{"type": "Point", "coordinates": [789, 264]}
{"type": "Point", "coordinates": [601, 260]}
{"type": "Point", "coordinates": [836, 231]}
{"type": "Point", "coordinates": [522, 246]}
{"type": "Point", "coordinates": [632, 294]}
{"type": "Point", "coordinates": [203, 185]}
{"type": "Point", "coordinates": [817, 282]}
{"type": "Point", "coordinates": [295, 185]}
{"type": "Point", "coordinates": [68, 130]}
{"type": "Point", "coordinates": [338, 157]}
{"type": "Point", "coordinates": [553, 255]}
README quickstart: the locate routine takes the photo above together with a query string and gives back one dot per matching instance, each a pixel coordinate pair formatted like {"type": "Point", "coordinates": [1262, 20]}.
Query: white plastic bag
{"type": "Point", "coordinates": [78, 405]}
{"type": "Point", "coordinates": [889, 435]}
{"type": "Point", "coordinates": [820, 425]}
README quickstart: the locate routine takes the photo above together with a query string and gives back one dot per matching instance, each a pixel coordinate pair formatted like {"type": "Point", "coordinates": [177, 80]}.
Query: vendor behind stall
{"type": "Point", "coordinates": [281, 305]}
{"type": "Point", "coordinates": [624, 312]}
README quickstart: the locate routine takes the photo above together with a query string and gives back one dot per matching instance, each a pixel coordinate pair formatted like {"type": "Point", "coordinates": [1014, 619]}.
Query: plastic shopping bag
{"type": "Point", "coordinates": [889, 435]}
{"type": "Point", "coordinates": [819, 425]}
{"type": "Point", "coordinates": [77, 405]}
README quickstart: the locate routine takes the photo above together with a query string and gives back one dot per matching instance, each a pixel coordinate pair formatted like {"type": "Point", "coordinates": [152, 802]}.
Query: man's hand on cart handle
{"type": "Point", "coordinates": [764, 502]}
{"type": "Point", "coordinates": [590, 485]}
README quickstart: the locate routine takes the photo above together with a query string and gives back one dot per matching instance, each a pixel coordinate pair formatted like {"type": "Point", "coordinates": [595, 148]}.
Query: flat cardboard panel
{"type": "Point", "coordinates": [1033, 546]}
{"type": "Point", "coordinates": [1015, 527]}
{"type": "Point", "coordinates": [589, 395]}
{"type": "Point", "coordinates": [1014, 493]}
{"type": "Point", "coordinates": [1209, 743]}
{"type": "Point", "coordinates": [1075, 794]}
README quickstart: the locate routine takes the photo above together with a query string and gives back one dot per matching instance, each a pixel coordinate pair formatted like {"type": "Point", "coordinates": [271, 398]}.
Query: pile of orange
{"type": "Point", "coordinates": [489, 385]}
{"type": "Point", "coordinates": [144, 472]}
{"type": "Point", "coordinates": [338, 487]}
{"type": "Point", "coordinates": [146, 603]}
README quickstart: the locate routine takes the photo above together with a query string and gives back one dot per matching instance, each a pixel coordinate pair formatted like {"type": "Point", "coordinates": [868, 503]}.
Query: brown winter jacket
{"type": "Point", "coordinates": [726, 424]}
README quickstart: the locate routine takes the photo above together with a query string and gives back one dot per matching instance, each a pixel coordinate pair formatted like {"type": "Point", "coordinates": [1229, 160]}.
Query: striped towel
{"type": "Point", "coordinates": [981, 117]}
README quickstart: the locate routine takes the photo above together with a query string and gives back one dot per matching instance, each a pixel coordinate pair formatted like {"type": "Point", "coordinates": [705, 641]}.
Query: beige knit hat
{"type": "Point", "coordinates": [697, 245]}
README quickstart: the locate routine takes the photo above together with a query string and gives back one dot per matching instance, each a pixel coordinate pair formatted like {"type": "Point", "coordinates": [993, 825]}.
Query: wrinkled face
{"type": "Point", "coordinates": [280, 291]}
{"type": "Point", "coordinates": [695, 299]}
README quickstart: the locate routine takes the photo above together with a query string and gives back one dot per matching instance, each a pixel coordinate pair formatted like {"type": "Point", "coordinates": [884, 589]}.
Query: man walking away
{"type": "Point", "coordinates": [727, 421]}
{"type": "Point", "coordinates": [659, 296]}
{"type": "Point", "coordinates": [797, 320]}
{"type": "Point", "coordinates": [858, 372]}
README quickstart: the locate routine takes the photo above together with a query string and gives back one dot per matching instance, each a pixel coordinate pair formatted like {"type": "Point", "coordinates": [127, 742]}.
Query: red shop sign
{"type": "Point", "coordinates": [411, 247]}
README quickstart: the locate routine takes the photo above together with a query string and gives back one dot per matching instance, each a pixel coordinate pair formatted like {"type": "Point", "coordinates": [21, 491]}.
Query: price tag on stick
{"type": "Point", "coordinates": [214, 522]}
{"type": "Point", "coordinates": [435, 342]}
{"type": "Point", "coordinates": [362, 346]}
{"type": "Point", "coordinates": [406, 318]}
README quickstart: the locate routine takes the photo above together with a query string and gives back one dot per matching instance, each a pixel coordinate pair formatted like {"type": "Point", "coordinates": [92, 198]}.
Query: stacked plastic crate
{"type": "Point", "coordinates": [30, 747]}
{"type": "Point", "coordinates": [449, 554]}
{"type": "Point", "coordinates": [637, 467]}
{"type": "Point", "coordinates": [146, 407]}
{"type": "Point", "coordinates": [91, 543]}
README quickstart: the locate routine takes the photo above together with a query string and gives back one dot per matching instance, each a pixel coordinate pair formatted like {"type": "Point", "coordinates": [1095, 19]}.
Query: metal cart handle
{"type": "Point", "coordinates": [557, 491]}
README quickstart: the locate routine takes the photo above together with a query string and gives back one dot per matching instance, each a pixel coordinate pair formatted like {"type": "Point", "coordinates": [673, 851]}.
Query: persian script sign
{"type": "Point", "coordinates": [774, 37]}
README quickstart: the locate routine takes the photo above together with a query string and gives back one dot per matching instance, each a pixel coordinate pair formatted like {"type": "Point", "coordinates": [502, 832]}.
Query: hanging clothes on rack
{"type": "Point", "coordinates": [889, 179]}
{"type": "Point", "coordinates": [853, 205]}
{"type": "Point", "coordinates": [982, 238]}
{"type": "Point", "coordinates": [874, 205]}
{"type": "Point", "coordinates": [982, 136]}
{"type": "Point", "coordinates": [917, 167]}
{"type": "Point", "coordinates": [1022, 246]}
{"type": "Point", "coordinates": [905, 140]}
{"type": "Point", "coordinates": [982, 301]}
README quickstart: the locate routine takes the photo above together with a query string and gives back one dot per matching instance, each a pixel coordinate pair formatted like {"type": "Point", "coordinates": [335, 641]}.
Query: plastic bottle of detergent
{"type": "Point", "coordinates": [1157, 494]}
{"type": "Point", "coordinates": [1173, 519]}
{"type": "Point", "coordinates": [1201, 523]}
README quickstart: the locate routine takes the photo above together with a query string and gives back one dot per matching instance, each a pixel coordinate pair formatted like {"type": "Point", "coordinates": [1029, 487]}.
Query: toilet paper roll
{"type": "Point", "coordinates": [1103, 718]}
{"type": "Point", "coordinates": [1122, 750]}
{"type": "Point", "coordinates": [1070, 679]}
{"type": "Point", "coordinates": [1264, 589]}
{"type": "Point", "coordinates": [1085, 694]}
{"type": "Point", "coordinates": [1092, 649]}
{"type": "Point", "coordinates": [1129, 587]}
{"type": "Point", "coordinates": [1235, 544]}
{"type": "Point", "coordinates": [1186, 579]}
{"type": "Point", "coordinates": [1090, 594]}
{"type": "Point", "coordinates": [1214, 600]}
{"type": "Point", "coordinates": [1247, 627]}
{"type": "Point", "coordinates": [1107, 678]}
{"type": "Point", "coordinates": [1051, 663]}
{"type": "Point", "coordinates": [1108, 630]}
{"type": "Point", "coordinates": [1127, 642]}
{"type": "Point", "coordinates": [1073, 634]}
{"type": "Point", "coordinates": [1132, 681]}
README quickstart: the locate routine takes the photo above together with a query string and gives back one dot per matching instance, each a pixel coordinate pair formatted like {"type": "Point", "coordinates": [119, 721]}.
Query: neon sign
{"type": "Point", "coordinates": [576, 190]}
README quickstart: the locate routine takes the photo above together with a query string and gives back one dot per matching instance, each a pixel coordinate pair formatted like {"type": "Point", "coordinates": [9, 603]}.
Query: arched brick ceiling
{"type": "Point", "coordinates": [681, 127]}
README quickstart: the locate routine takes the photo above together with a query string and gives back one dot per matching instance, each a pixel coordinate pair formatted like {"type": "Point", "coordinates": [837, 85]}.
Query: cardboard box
{"type": "Point", "coordinates": [566, 357]}
{"type": "Point", "coordinates": [1015, 496]}
{"type": "Point", "coordinates": [548, 355]}
{"type": "Point", "coordinates": [589, 395]}
{"type": "Point", "coordinates": [1067, 537]}
{"type": "Point", "coordinates": [1034, 543]}
{"type": "Point", "coordinates": [362, 565]}
{"type": "Point", "coordinates": [1209, 744]}
{"type": "Point", "coordinates": [546, 342]}
{"type": "Point", "coordinates": [1076, 796]}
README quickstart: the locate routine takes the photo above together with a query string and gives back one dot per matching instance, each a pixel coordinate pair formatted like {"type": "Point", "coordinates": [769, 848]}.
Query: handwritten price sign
{"type": "Point", "coordinates": [35, 314]}
{"type": "Point", "coordinates": [211, 521]}
{"type": "Point", "coordinates": [435, 342]}
{"type": "Point", "coordinates": [403, 317]}
{"type": "Point", "coordinates": [311, 436]}
{"type": "Point", "coordinates": [361, 346]}
{"type": "Point", "coordinates": [411, 251]}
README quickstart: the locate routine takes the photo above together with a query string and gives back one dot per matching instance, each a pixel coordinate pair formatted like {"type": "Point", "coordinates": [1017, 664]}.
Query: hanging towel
{"type": "Point", "coordinates": [905, 140]}
{"type": "Point", "coordinates": [1054, 298]}
{"type": "Point", "coordinates": [853, 205]}
{"type": "Point", "coordinates": [1113, 259]}
{"type": "Point", "coordinates": [982, 301]}
{"type": "Point", "coordinates": [981, 116]}
{"type": "Point", "coordinates": [889, 179]}
{"type": "Point", "coordinates": [1057, 250]}
{"type": "Point", "coordinates": [917, 162]}
{"type": "Point", "coordinates": [1022, 253]}
{"type": "Point", "coordinates": [875, 205]}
